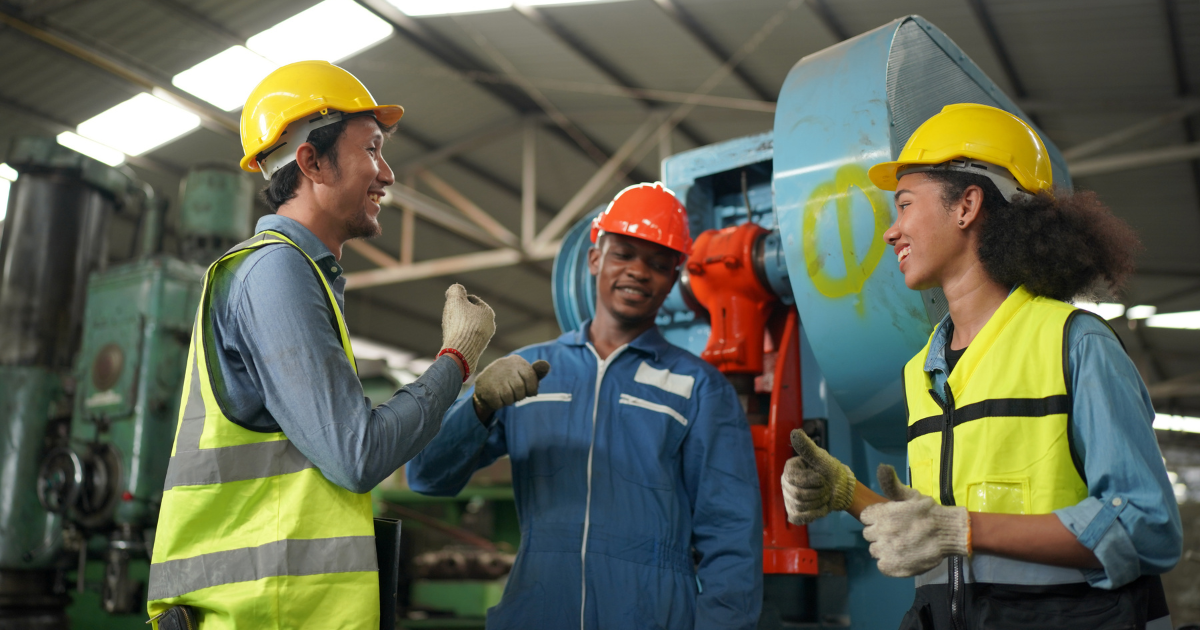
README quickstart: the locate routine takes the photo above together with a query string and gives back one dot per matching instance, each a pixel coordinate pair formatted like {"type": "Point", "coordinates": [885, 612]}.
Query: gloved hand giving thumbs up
{"type": "Point", "coordinates": [814, 482]}
{"type": "Point", "coordinates": [911, 533]}
{"type": "Point", "coordinates": [505, 381]}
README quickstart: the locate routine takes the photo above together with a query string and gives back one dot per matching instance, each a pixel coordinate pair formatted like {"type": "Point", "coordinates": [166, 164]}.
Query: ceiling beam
{"type": "Point", "coordinates": [473, 212]}
{"type": "Point", "coordinates": [1134, 159]}
{"type": "Point", "coordinates": [606, 67]}
{"type": "Point", "coordinates": [433, 268]}
{"type": "Point", "coordinates": [984, 16]}
{"type": "Point", "coordinates": [468, 166]}
{"type": "Point", "coordinates": [401, 196]}
{"type": "Point", "coordinates": [598, 182]}
{"type": "Point", "coordinates": [1182, 87]}
{"type": "Point", "coordinates": [454, 57]}
{"type": "Point", "coordinates": [211, 117]}
{"type": "Point", "coordinates": [828, 19]}
{"type": "Point", "coordinates": [1132, 132]}
{"type": "Point", "coordinates": [200, 21]}
{"type": "Point", "coordinates": [693, 27]}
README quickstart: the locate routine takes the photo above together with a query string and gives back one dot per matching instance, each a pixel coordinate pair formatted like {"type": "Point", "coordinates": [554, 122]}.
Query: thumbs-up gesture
{"type": "Point", "coordinates": [814, 482]}
{"type": "Point", "coordinates": [505, 381]}
{"type": "Point", "coordinates": [911, 533]}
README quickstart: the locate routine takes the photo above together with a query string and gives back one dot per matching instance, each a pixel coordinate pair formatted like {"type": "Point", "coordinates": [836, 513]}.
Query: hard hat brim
{"type": "Point", "coordinates": [387, 115]}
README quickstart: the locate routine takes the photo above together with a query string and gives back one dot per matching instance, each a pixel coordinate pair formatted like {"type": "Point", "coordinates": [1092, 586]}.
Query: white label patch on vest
{"type": "Point", "coordinates": [634, 401]}
{"type": "Point", "coordinates": [549, 397]}
{"type": "Point", "coordinates": [678, 384]}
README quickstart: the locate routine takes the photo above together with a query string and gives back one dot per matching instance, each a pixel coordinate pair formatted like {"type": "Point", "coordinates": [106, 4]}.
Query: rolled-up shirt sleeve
{"type": "Point", "coordinates": [1130, 519]}
{"type": "Point", "coordinates": [295, 358]}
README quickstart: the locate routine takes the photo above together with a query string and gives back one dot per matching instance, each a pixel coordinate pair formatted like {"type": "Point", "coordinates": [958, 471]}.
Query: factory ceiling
{"type": "Point", "coordinates": [526, 110]}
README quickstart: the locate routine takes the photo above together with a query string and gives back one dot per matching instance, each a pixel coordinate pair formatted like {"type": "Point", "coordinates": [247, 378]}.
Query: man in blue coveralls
{"type": "Point", "coordinates": [633, 468]}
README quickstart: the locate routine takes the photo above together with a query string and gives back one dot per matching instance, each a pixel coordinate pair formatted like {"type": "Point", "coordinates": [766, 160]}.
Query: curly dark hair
{"type": "Point", "coordinates": [1060, 246]}
{"type": "Point", "coordinates": [281, 188]}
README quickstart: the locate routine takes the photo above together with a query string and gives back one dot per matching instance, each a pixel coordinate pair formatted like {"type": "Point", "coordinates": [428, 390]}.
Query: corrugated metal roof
{"type": "Point", "coordinates": [1088, 67]}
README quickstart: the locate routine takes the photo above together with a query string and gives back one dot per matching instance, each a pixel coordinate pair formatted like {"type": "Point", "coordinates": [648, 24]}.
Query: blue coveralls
{"type": "Point", "coordinates": [644, 457]}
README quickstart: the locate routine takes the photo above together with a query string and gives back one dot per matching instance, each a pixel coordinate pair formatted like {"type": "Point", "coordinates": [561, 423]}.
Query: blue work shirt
{"type": "Point", "coordinates": [1130, 519]}
{"type": "Point", "coordinates": [620, 469]}
{"type": "Point", "coordinates": [282, 366]}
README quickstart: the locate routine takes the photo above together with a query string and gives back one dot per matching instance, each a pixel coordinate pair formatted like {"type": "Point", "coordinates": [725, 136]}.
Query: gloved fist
{"type": "Point", "coordinates": [468, 324]}
{"type": "Point", "coordinates": [911, 533]}
{"type": "Point", "coordinates": [815, 483]}
{"type": "Point", "coordinates": [505, 381]}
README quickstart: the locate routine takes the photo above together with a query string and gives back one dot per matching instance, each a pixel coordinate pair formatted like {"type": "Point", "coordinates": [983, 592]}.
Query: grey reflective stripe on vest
{"type": "Point", "coordinates": [997, 570]}
{"type": "Point", "coordinates": [235, 463]}
{"type": "Point", "coordinates": [194, 466]}
{"type": "Point", "coordinates": [283, 557]}
{"type": "Point", "coordinates": [192, 424]}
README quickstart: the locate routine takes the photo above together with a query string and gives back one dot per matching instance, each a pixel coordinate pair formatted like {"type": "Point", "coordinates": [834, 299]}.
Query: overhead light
{"type": "Point", "coordinates": [1141, 311]}
{"type": "Point", "coordinates": [90, 148]}
{"type": "Point", "coordinates": [447, 7]}
{"type": "Point", "coordinates": [1106, 310]}
{"type": "Point", "coordinates": [225, 78]}
{"type": "Point", "coordinates": [1189, 320]}
{"type": "Point", "coordinates": [1167, 422]}
{"type": "Point", "coordinates": [138, 125]}
{"type": "Point", "coordinates": [331, 30]}
{"type": "Point", "coordinates": [8, 173]}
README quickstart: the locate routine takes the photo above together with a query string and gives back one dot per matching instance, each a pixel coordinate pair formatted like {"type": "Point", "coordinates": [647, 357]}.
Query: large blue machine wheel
{"type": "Point", "coordinates": [572, 285]}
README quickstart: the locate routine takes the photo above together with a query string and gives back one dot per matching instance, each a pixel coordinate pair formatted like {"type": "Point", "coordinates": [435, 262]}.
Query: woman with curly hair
{"type": "Point", "coordinates": [1038, 494]}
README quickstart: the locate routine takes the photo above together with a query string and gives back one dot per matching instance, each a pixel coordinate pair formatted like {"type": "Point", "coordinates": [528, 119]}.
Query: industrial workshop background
{"type": "Point", "coordinates": [119, 143]}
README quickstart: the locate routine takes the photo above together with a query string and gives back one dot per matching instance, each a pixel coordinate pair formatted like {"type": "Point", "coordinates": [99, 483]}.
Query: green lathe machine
{"type": "Point", "coordinates": [91, 365]}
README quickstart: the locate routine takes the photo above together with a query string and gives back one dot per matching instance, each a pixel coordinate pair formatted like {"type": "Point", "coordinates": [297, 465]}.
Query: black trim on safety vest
{"type": "Point", "coordinates": [993, 407]}
{"type": "Point", "coordinates": [1066, 355]}
{"type": "Point", "coordinates": [254, 242]}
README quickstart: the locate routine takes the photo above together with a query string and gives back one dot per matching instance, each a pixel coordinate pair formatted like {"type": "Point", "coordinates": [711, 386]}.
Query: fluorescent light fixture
{"type": "Point", "coordinates": [331, 30]}
{"type": "Point", "coordinates": [7, 172]}
{"type": "Point", "coordinates": [1176, 423]}
{"type": "Point", "coordinates": [139, 124]}
{"type": "Point", "coordinates": [1107, 310]}
{"type": "Point", "coordinates": [5, 187]}
{"type": "Point", "coordinates": [91, 148]}
{"type": "Point", "coordinates": [1141, 311]}
{"type": "Point", "coordinates": [1189, 320]}
{"type": "Point", "coordinates": [225, 78]}
{"type": "Point", "coordinates": [447, 7]}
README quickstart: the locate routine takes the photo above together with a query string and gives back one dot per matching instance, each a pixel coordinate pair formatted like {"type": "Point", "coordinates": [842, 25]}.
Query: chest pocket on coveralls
{"type": "Point", "coordinates": [542, 424]}
{"type": "Point", "coordinates": [650, 434]}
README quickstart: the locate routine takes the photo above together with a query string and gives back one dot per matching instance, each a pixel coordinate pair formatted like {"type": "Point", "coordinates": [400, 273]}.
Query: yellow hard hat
{"type": "Point", "coordinates": [295, 91]}
{"type": "Point", "coordinates": [967, 134]}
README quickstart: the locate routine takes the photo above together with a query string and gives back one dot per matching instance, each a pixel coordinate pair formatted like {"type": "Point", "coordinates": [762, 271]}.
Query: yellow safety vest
{"type": "Point", "coordinates": [250, 532]}
{"type": "Point", "coordinates": [999, 440]}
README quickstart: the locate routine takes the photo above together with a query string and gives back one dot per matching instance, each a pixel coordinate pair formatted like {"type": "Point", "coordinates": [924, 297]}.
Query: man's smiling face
{"type": "Point", "coordinates": [633, 276]}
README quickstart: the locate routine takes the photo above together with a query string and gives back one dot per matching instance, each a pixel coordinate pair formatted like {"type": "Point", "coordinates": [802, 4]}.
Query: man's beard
{"type": "Point", "coordinates": [362, 226]}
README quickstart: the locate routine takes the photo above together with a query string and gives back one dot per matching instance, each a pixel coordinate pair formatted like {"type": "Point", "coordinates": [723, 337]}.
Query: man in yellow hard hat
{"type": "Point", "coordinates": [1038, 494]}
{"type": "Point", "coordinates": [265, 522]}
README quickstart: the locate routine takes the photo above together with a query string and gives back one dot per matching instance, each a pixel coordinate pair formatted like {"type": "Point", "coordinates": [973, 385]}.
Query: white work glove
{"type": "Point", "coordinates": [505, 381]}
{"type": "Point", "coordinates": [815, 483]}
{"type": "Point", "coordinates": [910, 534]}
{"type": "Point", "coordinates": [468, 324]}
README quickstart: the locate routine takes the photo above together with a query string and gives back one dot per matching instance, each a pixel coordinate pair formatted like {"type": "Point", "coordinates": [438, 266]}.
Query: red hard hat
{"type": "Point", "coordinates": [649, 212]}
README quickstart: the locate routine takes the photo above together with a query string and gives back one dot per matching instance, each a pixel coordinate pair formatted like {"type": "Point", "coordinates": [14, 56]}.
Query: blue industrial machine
{"type": "Point", "coordinates": [788, 222]}
{"type": "Point", "coordinates": [91, 366]}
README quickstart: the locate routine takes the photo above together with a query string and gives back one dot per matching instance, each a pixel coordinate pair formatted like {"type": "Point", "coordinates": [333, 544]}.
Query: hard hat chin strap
{"type": "Point", "coordinates": [1000, 176]}
{"type": "Point", "coordinates": [296, 134]}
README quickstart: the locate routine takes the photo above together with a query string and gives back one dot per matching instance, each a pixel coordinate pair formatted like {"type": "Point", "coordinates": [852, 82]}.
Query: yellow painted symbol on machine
{"type": "Point", "coordinates": [840, 191]}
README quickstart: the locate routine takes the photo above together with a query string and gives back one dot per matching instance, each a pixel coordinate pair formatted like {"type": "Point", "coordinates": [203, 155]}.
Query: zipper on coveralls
{"type": "Point", "coordinates": [602, 366]}
{"type": "Point", "coordinates": [954, 579]}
